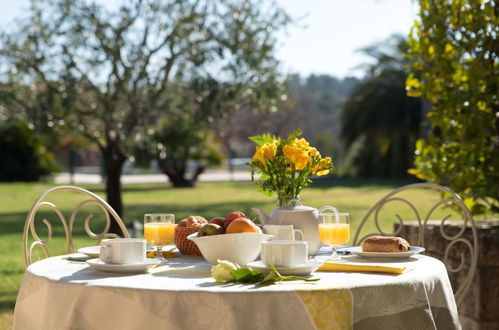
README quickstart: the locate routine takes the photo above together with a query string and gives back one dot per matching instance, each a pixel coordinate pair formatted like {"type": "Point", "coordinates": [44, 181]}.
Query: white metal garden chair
{"type": "Point", "coordinates": [455, 240]}
{"type": "Point", "coordinates": [90, 199]}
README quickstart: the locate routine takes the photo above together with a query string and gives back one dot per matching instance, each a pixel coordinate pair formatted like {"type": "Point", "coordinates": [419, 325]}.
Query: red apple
{"type": "Point", "coordinates": [234, 215]}
{"type": "Point", "coordinates": [218, 220]}
{"type": "Point", "coordinates": [221, 221]}
{"type": "Point", "coordinates": [225, 225]}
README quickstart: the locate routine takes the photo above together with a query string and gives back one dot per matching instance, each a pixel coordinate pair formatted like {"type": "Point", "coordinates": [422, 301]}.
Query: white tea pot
{"type": "Point", "coordinates": [301, 217]}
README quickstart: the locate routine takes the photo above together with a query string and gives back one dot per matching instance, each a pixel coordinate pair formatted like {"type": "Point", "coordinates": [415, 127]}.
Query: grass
{"type": "Point", "coordinates": [206, 199]}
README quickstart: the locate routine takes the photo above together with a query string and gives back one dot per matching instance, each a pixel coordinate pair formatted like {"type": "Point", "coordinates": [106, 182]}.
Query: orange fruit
{"type": "Point", "coordinates": [241, 225]}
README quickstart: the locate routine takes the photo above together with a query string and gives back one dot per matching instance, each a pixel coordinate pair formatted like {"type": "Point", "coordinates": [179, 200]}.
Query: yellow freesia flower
{"type": "Point", "coordinates": [323, 172]}
{"type": "Point", "coordinates": [259, 157]}
{"type": "Point", "coordinates": [322, 168]}
{"type": "Point", "coordinates": [313, 151]}
{"type": "Point", "coordinates": [301, 143]}
{"type": "Point", "coordinates": [269, 150]}
{"type": "Point", "coordinates": [296, 155]}
{"type": "Point", "coordinates": [287, 165]}
{"type": "Point", "coordinates": [301, 161]}
{"type": "Point", "coordinates": [325, 162]}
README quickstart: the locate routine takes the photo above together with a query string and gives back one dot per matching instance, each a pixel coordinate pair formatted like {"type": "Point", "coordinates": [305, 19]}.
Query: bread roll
{"type": "Point", "coordinates": [385, 244]}
{"type": "Point", "coordinates": [195, 221]}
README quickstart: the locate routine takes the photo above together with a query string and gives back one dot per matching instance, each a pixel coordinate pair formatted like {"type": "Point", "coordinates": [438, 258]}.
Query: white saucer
{"type": "Point", "coordinates": [99, 265]}
{"type": "Point", "coordinates": [305, 269]}
{"type": "Point", "coordinates": [94, 251]}
{"type": "Point", "coordinates": [91, 251]}
{"type": "Point", "coordinates": [385, 255]}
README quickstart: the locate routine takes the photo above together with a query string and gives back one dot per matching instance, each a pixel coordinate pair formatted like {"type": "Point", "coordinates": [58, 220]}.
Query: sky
{"type": "Point", "coordinates": [326, 36]}
{"type": "Point", "coordinates": [332, 32]}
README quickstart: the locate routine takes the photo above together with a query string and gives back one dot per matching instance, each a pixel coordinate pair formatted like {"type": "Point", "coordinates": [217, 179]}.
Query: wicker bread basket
{"type": "Point", "coordinates": [183, 244]}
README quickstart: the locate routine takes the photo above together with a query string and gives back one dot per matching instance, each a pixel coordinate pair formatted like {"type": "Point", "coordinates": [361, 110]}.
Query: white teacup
{"type": "Point", "coordinates": [284, 253]}
{"type": "Point", "coordinates": [123, 250]}
{"type": "Point", "coordinates": [284, 232]}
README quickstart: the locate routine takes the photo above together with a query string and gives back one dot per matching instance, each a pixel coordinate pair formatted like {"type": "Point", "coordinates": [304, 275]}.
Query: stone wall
{"type": "Point", "coordinates": [479, 309]}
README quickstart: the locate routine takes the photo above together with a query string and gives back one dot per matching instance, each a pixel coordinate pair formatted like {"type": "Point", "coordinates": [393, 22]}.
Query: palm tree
{"type": "Point", "coordinates": [380, 123]}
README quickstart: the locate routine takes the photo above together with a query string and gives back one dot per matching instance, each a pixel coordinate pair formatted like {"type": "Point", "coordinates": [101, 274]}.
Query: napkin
{"type": "Point", "coordinates": [331, 266]}
{"type": "Point", "coordinates": [183, 271]}
{"type": "Point", "coordinates": [78, 257]}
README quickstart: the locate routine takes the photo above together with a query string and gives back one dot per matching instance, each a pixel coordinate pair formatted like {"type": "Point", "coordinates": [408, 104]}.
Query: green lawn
{"type": "Point", "coordinates": [207, 199]}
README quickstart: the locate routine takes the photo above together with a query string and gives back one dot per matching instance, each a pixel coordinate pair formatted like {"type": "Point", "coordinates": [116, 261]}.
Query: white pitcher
{"type": "Point", "coordinates": [302, 217]}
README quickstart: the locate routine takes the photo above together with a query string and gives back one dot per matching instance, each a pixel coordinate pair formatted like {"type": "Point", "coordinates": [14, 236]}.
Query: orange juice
{"type": "Point", "coordinates": [159, 233]}
{"type": "Point", "coordinates": [334, 233]}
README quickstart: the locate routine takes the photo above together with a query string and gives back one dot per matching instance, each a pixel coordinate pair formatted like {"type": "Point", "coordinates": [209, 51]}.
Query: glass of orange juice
{"type": "Point", "coordinates": [334, 230]}
{"type": "Point", "coordinates": [159, 230]}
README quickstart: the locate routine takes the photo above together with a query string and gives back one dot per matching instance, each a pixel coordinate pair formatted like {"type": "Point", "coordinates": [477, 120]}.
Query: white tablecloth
{"type": "Point", "coordinates": [59, 294]}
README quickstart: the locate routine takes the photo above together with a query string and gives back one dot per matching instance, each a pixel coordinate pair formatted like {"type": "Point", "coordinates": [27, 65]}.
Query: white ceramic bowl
{"type": "Point", "coordinates": [240, 248]}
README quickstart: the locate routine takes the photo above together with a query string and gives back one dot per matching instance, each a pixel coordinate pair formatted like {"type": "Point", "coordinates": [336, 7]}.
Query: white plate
{"type": "Point", "coordinates": [385, 255]}
{"type": "Point", "coordinates": [306, 269]}
{"type": "Point", "coordinates": [99, 265]}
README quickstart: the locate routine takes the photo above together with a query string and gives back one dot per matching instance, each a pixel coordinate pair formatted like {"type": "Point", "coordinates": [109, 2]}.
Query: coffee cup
{"type": "Point", "coordinates": [284, 253]}
{"type": "Point", "coordinates": [123, 250]}
{"type": "Point", "coordinates": [284, 232]}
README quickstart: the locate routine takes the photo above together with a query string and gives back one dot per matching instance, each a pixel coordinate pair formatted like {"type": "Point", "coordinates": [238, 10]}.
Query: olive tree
{"type": "Point", "coordinates": [454, 65]}
{"type": "Point", "coordinates": [112, 69]}
{"type": "Point", "coordinates": [184, 136]}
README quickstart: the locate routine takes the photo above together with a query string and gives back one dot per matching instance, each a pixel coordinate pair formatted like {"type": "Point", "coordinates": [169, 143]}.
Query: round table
{"type": "Point", "coordinates": [61, 294]}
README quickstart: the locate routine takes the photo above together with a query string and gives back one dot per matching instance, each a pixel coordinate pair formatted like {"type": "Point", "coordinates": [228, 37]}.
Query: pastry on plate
{"type": "Point", "coordinates": [385, 244]}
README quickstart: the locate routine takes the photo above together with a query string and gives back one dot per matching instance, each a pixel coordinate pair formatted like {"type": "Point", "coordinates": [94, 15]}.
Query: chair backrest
{"type": "Point", "coordinates": [91, 198]}
{"type": "Point", "coordinates": [422, 223]}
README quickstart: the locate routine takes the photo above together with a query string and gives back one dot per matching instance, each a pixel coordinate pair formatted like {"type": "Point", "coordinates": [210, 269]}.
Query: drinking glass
{"type": "Point", "coordinates": [159, 230]}
{"type": "Point", "coordinates": [334, 230]}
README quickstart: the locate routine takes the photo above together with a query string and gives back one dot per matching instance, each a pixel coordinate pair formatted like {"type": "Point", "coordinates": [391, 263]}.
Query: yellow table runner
{"type": "Point", "coordinates": [329, 309]}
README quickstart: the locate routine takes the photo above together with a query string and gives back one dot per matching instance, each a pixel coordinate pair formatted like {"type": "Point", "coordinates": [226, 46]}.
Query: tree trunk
{"type": "Point", "coordinates": [176, 173]}
{"type": "Point", "coordinates": [113, 165]}
{"type": "Point", "coordinates": [197, 173]}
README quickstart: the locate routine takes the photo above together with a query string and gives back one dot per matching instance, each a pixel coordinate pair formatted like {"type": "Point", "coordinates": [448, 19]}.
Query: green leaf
{"type": "Point", "coordinates": [298, 278]}
{"type": "Point", "coordinates": [294, 135]}
{"type": "Point", "coordinates": [262, 139]}
{"type": "Point", "coordinates": [273, 276]}
{"type": "Point", "coordinates": [469, 202]}
{"type": "Point", "coordinates": [247, 275]}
